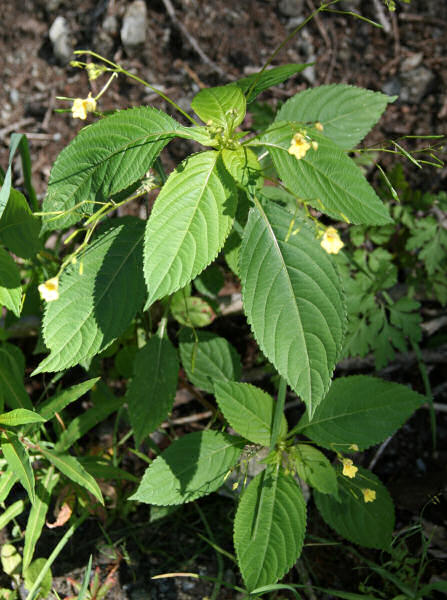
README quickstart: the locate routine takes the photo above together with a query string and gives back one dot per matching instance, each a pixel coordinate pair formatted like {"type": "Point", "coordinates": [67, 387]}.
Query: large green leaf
{"type": "Point", "coordinates": [220, 106]}
{"type": "Point", "coordinates": [210, 358]}
{"type": "Point", "coordinates": [19, 228]}
{"type": "Point", "coordinates": [326, 178]}
{"type": "Point", "coordinates": [269, 528]}
{"type": "Point", "coordinates": [249, 410]}
{"type": "Point", "coordinates": [369, 524]}
{"type": "Point", "coordinates": [315, 469]}
{"type": "Point", "coordinates": [192, 466]}
{"type": "Point", "coordinates": [37, 514]}
{"type": "Point", "coordinates": [10, 288]}
{"type": "Point", "coordinates": [267, 79]}
{"type": "Point", "coordinates": [293, 300]}
{"type": "Point", "coordinates": [346, 112]}
{"type": "Point", "coordinates": [18, 460]}
{"type": "Point", "coordinates": [20, 416]}
{"type": "Point", "coordinates": [72, 468]}
{"type": "Point", "coordinates": [360, 410]}
{"type": "Point", "coordinates": [151, 392]}
{"type": "Point", "coordinates": [12, 388]}
{"type": "Point", "coordinates": [188, 225]}
{"type": "Point", "coordinates": [104, 159]}
{"type": "Point", "coordinates": [96, 307]}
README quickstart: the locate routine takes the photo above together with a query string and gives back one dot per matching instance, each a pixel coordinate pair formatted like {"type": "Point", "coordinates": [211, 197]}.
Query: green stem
{"type": "Point", "coordinates": [50, 560]}
{"type": "Point", "coordinates": [428, 390]}
{"type": "Point", "coordinates": [279, 412]}
{"type": "Point", "coordinates": [119, 69]}
{"type": "Point", "coordinates": [26, 164]}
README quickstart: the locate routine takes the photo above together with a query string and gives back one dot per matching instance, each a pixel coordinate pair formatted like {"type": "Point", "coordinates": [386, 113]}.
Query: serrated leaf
{"type": "Point", "coordinates": [20, 416]}
{"type": "Point", "coordinates": [151, 392]}
{"type": "Point", "coordinates": [269, 528]}
{"type": "Point", "coordinates": [224, 106]}
{"type": "Point", "coordinates": [37, 514]}
{"type": "Point", "coordinates": [326, 178]}
{"type": "Point", "coordinates": [57, 403]}
{"type": "Point", "coordinates": [249, 410]}
{"type": "Point", "coordinates": [191, 311]}
{"type": "Point", "coordinates": [18, 460]}
{"type": "Point", "coordinates": [360, 410]}
{"type": "Point", "coordinates": [10, 288]}
{"type": "Point", "coordinates": [210, 358]}
{"type": "Point", "coordinates": [193, 466]}
{"type": "Point", "coordinates": [72, 468]}
{"type": "Point", "coordinates": [293, 300]}
{"type": "Point", "coordinates": [188, 225]}
{"type": "Point", "coordinates": [91, 310]}
{"type": "Point", "coordinates": [104, 159]}
{"type": "Point", "coordinates": [316, 470]}
{"type": "Point", "coordinates": [12, 367]}
{"type": "Point", "coordinates": [369, 524]}
{"type": "Point", "coordinates": [19, 228]}
{"type": "Point", "coordinates": [268, 79]}
{"type": "Point", "coordinates": [346, 112]}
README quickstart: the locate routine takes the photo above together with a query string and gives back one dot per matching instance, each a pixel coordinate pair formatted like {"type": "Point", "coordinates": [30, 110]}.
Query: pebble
{"type": "Point", "coordinates": [133, 30]}
{"type": "Point", "coordinates": [411, 62]}
{"type": "Point", "coordinates": [60, 38]}
{"type": "Point", "coordinates": [415, 84]}
{"type": "Point", "coordinates": [291, 8]}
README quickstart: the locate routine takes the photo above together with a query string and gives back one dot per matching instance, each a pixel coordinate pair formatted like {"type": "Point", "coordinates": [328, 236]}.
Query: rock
{"type": "Point", "coordinates": [415, 84]}
{"type": "Point", "coordinates": [133, 30]}
{"type": "Point", "coordinates": [392, 87]}
{"type": "Point", "coordinates": [411, 62]}
{"type": "Point", "coordinates": [61, 40]}
{"type": "Point", "coordinates": [291, 8]}
{"type": "Point", "coordinates": [110, 25]}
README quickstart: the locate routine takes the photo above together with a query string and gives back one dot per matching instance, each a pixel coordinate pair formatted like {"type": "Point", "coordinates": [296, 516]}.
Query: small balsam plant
{"type": "Point", "coordinates": [220, 202]}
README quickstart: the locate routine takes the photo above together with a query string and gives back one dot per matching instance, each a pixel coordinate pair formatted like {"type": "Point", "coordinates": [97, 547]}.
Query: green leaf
{"type": "Point", "coordinates": [191, 311]}
{"type": "Point", "coordinates": [347, 113]}
{"type": "Point", "coordinates": [249, 410]}
{"type": "Point", "coordinates": [188, 225]}
{"type": "Point", "coordinates": [100, 467]}
{"type": "Point", "coordinates": [19, 228]}
{"type": "Point", "coordinates": [192, 466]}
{"type": "Point", "coordinates": [325, 178]}
{"type": "Point", "coordinates": [20, 416]}
{"type": "Point", "coordinates": [104, 404]}
{"type": "Point", "coordinates": [32, 573]}
{"type": "Point", "coordinates": [104, 159]}
{"type": "Point", "coordinates": [10, 288]}
{"type": "Point", "coordinates": [269, 528]}
{"type": "Point", "coordinates": [293, 300]}
{"type": "Point", "coordinates": [210, 282]}
{"type": "Point", "coordinates": [57, 403]}
{"type": "Point", "coordinates": [12, 367]}
{"type": "Point", "coordinates": [7, 480]}
{"type": "Point", "coordinates": [209, 359]}
{"type": "Point", "coordinates": [268, 79]}
{"type": "Point", "coordinates": [316, 470]}
{"type": "Point", "coordinates": [224, 106]}
{"type": "Point", "coordinates": [11, 512]}
{"type": "Point", "coordinates": [360, 410]}
{"type": "Point", "coordinates": [151, 392]}
{"type": "Point", "coordinates": [37, 515]}
{"type": "Point", "coordinates": [91, 310]}
{"type": "Point", "coordinates": [18, 461]}
{"type": "Point", "coordinates": [369, 524]}
{"type": "Point", "coordinates": [6, 184]}
{"type": "Point", "coordinates": [72, 468]}
{"type": "Point", "coordinates": [243, 165]}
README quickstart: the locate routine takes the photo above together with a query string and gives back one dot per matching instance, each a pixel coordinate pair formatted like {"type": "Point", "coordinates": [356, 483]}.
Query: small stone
{"type": "Point", "coordinates": [60, 38]}
{"type": "Point", "coordinates": [291, 8]}
{"type": "Point", "coordinates": [392, 87]}
{"type": "Point", "coordinates": [411, 62]}
{"type": "Point", "coordinates": [110, 25]}
{"type": "Point", "coordinates": [133, 30]}
{"type": "Point", "coordinates": [415, 84]}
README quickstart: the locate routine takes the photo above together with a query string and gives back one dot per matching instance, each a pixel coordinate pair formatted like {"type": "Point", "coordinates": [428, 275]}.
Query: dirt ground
{"type": "Point", "coordinates": [408, 58]}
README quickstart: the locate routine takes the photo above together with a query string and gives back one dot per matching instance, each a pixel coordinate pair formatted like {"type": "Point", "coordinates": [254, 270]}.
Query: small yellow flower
{"type": "Point", "coordinates": [94, 71]}
{"type": "Point", "coordinates": [331, 241]}
{"type": "Point", "coordinates": [368, 495]}
{"type": "Point", "coordinates": [349, 469]}
{"type": "Point", "coordinates": [49, 290]}
{"type": "Point", "coordinates": [319, 126]}
{"type": "Point", "coordinates": [315, 146]}
{"type": "Point", "coordinates": [82, 106]}
{"type": "Point", "coordinates": [354, 447]}
{"type": "Point", "coordinates": [299, 146]}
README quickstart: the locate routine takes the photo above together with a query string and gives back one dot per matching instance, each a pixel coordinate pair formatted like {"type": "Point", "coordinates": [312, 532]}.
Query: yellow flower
{"type": "Point", "coordinates": [331, 241]}
{"type": "Point", "coordinates": [315, 146]}
{"type": "Point", "coordinates": [82, 106]}
{"type": "Point", "coordinates": [319, 126]}
{"type": "Point", "coordinates": [349, 469]}
{"type": "Point", "coordinates": [49, 290]}
{"type": "Point", "coordinates": [354, 447]}
{"type": "Point", "coordinates": [368, 495]}
{"type": "Point", "coordinates": [299, 146]}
